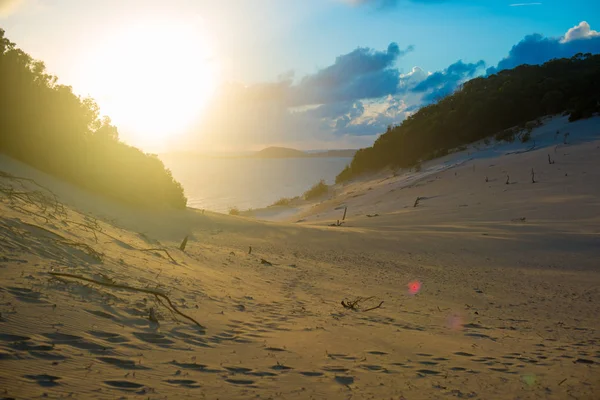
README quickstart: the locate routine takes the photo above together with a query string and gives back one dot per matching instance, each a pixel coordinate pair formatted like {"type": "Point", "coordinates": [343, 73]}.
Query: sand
{"type": "Point", "coordinates": [507, 306]}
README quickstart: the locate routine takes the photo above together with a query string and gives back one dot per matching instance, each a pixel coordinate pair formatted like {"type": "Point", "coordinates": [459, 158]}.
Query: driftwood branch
{"type": "Point", "coordinates": [183, 244]}
{"type": "Point", "coordinates": [355, 304]}
{"type": "Point", "coordinates": [155, 293]}
{"type": "Point", "coordinates": [164, 250]}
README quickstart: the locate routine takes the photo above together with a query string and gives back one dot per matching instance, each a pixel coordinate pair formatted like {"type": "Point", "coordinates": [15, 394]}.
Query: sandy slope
{"type": "Point", "coordinates": [508, 307]}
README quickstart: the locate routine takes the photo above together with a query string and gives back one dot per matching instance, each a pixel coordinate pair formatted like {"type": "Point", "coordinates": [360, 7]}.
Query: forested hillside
{"type": "Point", "coordinates": [485, 106]}
{"type": "Point", "coordinates": [46, 125]}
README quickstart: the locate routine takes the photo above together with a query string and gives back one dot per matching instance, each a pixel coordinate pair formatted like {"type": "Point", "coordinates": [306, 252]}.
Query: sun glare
{"type": "Point", "coordinates": [153, 79]}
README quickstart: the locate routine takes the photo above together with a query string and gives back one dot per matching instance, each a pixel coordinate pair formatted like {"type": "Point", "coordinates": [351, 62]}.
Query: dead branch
{"type": "Point", "coordinates": [63, 240]}
{"type": "Point", "coordinates": [345, 209]}
{"type": "Point", "coordinates": [355, 305]}
{"type": "Point", "coordinates": [165, 250]}
{"type": "Point", "coordinates": [373, 308]}
{"type": "Point", "coordinates": [417, 201]}
{"type": "Point", "coordinates": [183, 244]}
{"type": "Point", "coordinates": [153, 292]}
{"type": "Point", "coordinates": [532, 176]}
{"type": "Point", "coordinates": [338, 223]}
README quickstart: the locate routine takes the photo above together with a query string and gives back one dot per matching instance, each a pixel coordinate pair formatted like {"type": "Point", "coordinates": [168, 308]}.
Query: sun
{"type": "Point", "coordinates": [154, 79]}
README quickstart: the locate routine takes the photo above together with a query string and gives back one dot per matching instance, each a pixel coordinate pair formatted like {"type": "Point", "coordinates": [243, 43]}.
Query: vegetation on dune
{"type": "Point", "coordinates": [284, 201]}
{"type": "Point", "coordinates": [44, 124]}
{"type": "Point", "coordinates": [485, 106]}
{"type": "Point", "coordinates": [234, 211]}
{"type": "Point", "coordinates": [316, 191]}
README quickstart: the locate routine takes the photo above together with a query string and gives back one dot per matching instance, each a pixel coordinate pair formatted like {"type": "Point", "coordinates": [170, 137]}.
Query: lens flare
{"type": "Point", "coordinates": [414, 287]}
{"type": "Point", "coordinates": [455, 322]}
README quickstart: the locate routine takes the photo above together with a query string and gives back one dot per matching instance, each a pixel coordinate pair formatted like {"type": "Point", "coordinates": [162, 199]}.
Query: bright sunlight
{"type": "Point", "coordinates": [154, 79]}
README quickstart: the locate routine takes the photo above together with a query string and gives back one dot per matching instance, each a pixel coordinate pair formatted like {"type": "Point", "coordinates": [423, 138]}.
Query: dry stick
{"type": "Point", "coordinates": [156, 293]}
{"type": "Point", "coordinates": [165, 250]}
{"type": "Point", "coordinates": [373, 308]}
{"type": "Point", "coordinates": [345, 209]}
{"type": "Point", "coordinates": [183, 244]}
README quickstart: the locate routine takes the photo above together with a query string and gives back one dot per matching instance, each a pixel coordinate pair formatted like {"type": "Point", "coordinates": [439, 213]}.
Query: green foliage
{"type": "Point", "coordinates": [284, 201]}
{"type": "Point", "coordinates": [507, 135]}
{"type": "Point", "coordinates": [234, 211]}
{"type": "Point", "coordinates": [46, 125]}
{"type": "Point", "coordinates": [484, 107]}
{"type": "Point", "coordinates": [317, 190]}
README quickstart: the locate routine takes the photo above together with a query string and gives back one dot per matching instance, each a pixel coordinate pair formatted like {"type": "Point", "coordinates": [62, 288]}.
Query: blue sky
{"type": "Point", "coordinates": [309, 74]}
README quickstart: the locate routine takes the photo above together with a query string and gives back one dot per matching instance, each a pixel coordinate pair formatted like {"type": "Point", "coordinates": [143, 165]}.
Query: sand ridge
{"type": "Point", "coordinates": [508, 306]}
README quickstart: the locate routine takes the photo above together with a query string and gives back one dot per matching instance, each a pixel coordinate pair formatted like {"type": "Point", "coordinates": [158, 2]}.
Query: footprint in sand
{"type": "Point", "coordinates": [27, 295]}
{"type": "Point", "coordinates": [121, 363]}
{"type": "Point", "coordinates": [109, 337]}
{"type": "Point", "coordinates": [311, 373]}
{"type": "Point", "coordinates": [186, 383]}
{"type": "Point", "coordinates": [424, 372]}
{"type": "Point", "coordinates": [240, 381]}
{"type": "Point", "coordinates": [124, 385]}
{"type": "Point", "coordinates": [154, 338]}
{"type": "Point", "coordinates": [77, 342]}
{"type": "Point", "coordinates": [344, 380]}
{"type": "Point", "coordinates": [377, 353]}
{"type": "Point", "coordinates": [463, 354]}
{"type": "Point", "coordinates": [44, 380]}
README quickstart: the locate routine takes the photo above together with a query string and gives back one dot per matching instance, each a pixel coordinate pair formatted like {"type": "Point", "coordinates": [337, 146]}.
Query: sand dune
{"type": "Point", "coordinates": [507, 306]}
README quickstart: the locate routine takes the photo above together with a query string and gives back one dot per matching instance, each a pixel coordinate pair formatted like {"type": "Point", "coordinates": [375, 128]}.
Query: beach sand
{"type": "Point", "coordinates": [490, 290]}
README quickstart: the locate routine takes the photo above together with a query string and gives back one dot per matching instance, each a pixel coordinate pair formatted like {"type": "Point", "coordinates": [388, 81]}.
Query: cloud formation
{"type": "Point", "coordinates": [581, 31]}
{"type": "Point", "coordinates": [443, 83]}
{"type": "Point", "coordinates": [536, 49]}
{"type": "Point", "coordinates": [353, 100]}
{"type": "Point", "coordinates": [362, 74]}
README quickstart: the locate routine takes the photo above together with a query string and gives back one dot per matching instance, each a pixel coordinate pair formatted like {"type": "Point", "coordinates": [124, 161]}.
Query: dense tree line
{"type": "Point", "coordinates": [46, 125]}
{"type": "Point", "coordinates": [485, 106]}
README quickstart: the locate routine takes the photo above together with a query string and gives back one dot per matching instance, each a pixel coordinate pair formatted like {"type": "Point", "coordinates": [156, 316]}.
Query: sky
{"type": "Point", "coordinates": [236, 75]}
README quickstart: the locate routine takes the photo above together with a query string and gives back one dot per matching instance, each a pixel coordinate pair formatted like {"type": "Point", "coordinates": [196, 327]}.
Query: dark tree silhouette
{"type": "Point", "coordinates": [499, 104]}
{"type": "Point", "coordinates": [46, 125]}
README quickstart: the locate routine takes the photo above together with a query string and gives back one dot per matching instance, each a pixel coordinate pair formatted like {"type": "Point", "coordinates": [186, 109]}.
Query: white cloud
{"type": "Point", "coordinates": [524, 4]}
{"type": "Point", "coordinates": [581, 31]}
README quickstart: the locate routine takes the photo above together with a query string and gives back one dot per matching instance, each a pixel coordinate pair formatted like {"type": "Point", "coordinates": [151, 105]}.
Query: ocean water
{"type": "Point", "coordinates": [217, 184]}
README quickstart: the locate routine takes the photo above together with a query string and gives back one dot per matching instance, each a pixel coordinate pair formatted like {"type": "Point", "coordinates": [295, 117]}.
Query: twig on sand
{"type": "Point", "coordinates": [159, 295]}
{"type": "Point", "coordinates": [417, 201]}
{"type": "Point", "coordinates": [183, 243]}
{"type": "Point", "coordinates": [355, 304]}
{"type": "Point", "coordinates": [165, 250]}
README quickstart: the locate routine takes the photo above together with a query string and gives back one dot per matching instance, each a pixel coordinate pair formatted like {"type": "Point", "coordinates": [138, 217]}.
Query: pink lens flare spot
{"type": "Point", "coordinates": [414, 287]}
{"type": "Point", "coordinates": [455, 322]}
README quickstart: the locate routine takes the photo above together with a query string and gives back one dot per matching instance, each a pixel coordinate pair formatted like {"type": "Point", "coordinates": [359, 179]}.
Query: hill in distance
{"type": "Point", "coordinates": [284, 152]}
